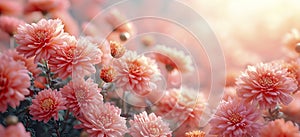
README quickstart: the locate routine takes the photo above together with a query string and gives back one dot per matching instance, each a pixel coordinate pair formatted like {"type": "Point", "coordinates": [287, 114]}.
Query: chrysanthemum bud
{"type": "Point", "coordinates": [108, 74]}
{"type": "Point", "coordinates": [124, 36]}
{"type": "Point", "coordinates": [117, 50]}
{"type": "Point", "coordinates": [11, 120]}
{"type": "Point", "coordinates": [196, 133]}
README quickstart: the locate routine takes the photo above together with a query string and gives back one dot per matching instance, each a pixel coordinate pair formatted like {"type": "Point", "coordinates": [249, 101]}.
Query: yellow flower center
{"type": "Point", "coordinates": [235, 118]}
{"type": "Point", "coordinates": [47, 104]}
{"type": "Point", "coordinates": [267, 81]}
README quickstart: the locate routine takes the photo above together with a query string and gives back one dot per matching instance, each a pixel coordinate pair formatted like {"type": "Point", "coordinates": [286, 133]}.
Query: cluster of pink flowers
{"type": "Point", "coordinates": [100, 84]}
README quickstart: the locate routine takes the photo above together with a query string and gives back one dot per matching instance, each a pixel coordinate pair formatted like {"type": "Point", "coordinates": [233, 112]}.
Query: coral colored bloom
{"type": "Point", "coordinates": [80, 94]}
{"type": "Point", "coordinates": [46, 105]}
{"type": "Point", "coordinates": [266, 84]}
{"type": "Point", "coordinates": [77, 59]}
{"type": "Point", "coordinates": [108, 74]}
{"type": "Point", "coordinates": [10, 8]}
{"type": "Point", "coordinates": [173, 58]}
{"type": "Point", "coordinates": [117, 49]}
{"type": "Point", "coordinates": [10, 24]}
{"type": "Point", "coordinates": [14, 82]}
{"type": "Point", "coordinates": [136, 73]}
{"type": "Point", "coordinates": [28, 62]}
{"type": "Point", "coordinates": [144, 125]}
{"type": "Point", "coordinates": [235, 119]}
{"type": "Point", "coordinates": [17, 130]}
{"type": "Point", "coordinates": [45, 6]}
{"type": "Point", "coordinates": [196, 133]}
{"type": "Point", "coordinates": [280, 128]}
{"type": "Point", "coordinates": [103, 121]}
{"type": "Point", "coordinates": [41, 39]}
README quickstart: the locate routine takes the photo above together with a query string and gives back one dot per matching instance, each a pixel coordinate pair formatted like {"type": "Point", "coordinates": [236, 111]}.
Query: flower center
{"type": "Point", "coordinates": [47, 104]}
{"type": "Point", "coordinates": [154, 130]}
{"type": "Point", "coordinates": [41, 35]}
{"type": "Point", "coordinates": [235, 118]}
{"type": "Point", "coordinates": [80, 95]}
{"type": "Point", "coordinates": [267, 81]}
{"type": "Point", "coordinates": [135, 67]}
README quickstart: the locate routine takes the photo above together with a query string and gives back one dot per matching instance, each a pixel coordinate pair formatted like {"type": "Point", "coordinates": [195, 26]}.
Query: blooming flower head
{"type": "Point", "coordinates": [14, 82]}
{"type": "Point", "coordinates": [10, 24]}
{"type": "Point", "coordinates": [46, 105]}
{"type": "Point", "coordinates": [144, 125]}
{"type": "Point", "coordinates": [76, 59]}
{"type": "Point", "coordinates": [103, 120]}
{"type": "Point", "coordinates": [174, 58]}
{"type": "Point", "coordinates": [266, 84]}
{"type": "Point", "coordinates": [196, 133]}
{"type": "Point", "coordinates": [280, 128]}
{"type": "Point", "coordinates": [45, 6]}
{"type": "Point", "coordinates": [235, 118]}
{"type": "Point", "coordinates": [80, 94]}
{"type": "Point", "coordinates": [17, 130]}
{"type": "Point", "coordinates": [10, 8]}
{"type": "Point", "coordinates": [136, 73]}
{"type": "Point", "coordinates": [41, 39]}
{"type": "Point", "coordinates": [183, 105]}
{"type": "Point", "coordinates": [28, 62]}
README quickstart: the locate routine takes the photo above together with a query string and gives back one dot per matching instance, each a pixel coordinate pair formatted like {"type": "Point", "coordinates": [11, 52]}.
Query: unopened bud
{"type": "Point", "coordinates": [108, 74]}
{"type": "Point", "coordinates": [117, 50]}
{"type": "Point", "coordinates": [11, 120]}
{"type": "Point", "coordinates": [124, 36]}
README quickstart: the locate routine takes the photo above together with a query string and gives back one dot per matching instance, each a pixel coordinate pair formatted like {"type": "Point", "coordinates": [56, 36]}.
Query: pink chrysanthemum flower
{"type": "Point", "coordinates": [41, 39]}
{"type": "Point", "coordinates": [182, 105]}
{"type": "Point", "coordinates": [266, 84]}
{"type": "Point", "coordinates": [46, 105]}
{"type": "Point", "coordinates": [148, 126]}
{"type": "Point", "coordinates": [280, 128]}
{"type": "Point", "coordinates": [103, 121]}
{"type": "Point", "coordinates": [14, 82]}
{"type": "Point", "coordinates": [81, 94]}
{"type": "Point", "coordinates": [10, 24]}
{"type": "Point", "coordinates": [136, 73]}
{"type": "Point", "coordinates": [174, 58]}
{"type": "Point", "coordinates": [28, 62]}
{"type": "Point", "coordinates": [235, 119]}
{"type": "Point", "coordinates": [17, 130]}
{"type": "Point", "coordinates": [45, 6]}
{"type": "Point", "coordinates": [77, 59]}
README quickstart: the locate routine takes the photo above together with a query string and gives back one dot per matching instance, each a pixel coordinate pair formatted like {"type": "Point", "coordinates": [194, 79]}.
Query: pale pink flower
{"type": "Point", "coordinates": [183, 105]}
{"type": "Point", "coordinates": [10, 8]}
{"type": "Point", "coordinates": [280, 128]}
{"type": "Point", "coordinates": [10, 24]}
{"type": "Point", "coordinates": [17, 130]}
{"type": "Point", "coordinates": [28, 62]}
{"type": "Point", "coordinates": [144, 125]}
{"type": "Point", "coordinates": [81, 94]}
{"type": "Point", "coordinates": [235, 118]}
{"type": "Point", "coordinates": [46, 105]}
{"type": "Point", "coordinates": [14, 82]}
{"type": "Point", "coordinates": [292, 110]}
{"type": "Point", "coordinates": [291, 40]}
{"type": "Point", "coordinates": [42, 39]}
{"type": "Point", "coordinates": [103, 121]}
{"type": "Point", "coordinates": [77, 59]}
{"type": "Point", "coordinates": [45, 6]}
{"type": "Point", "coordinates": [136, 73]}
{"type": "Point", "coordinates": [173, 58]}
{"type": "Point", "coordinates": [266, 84]}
